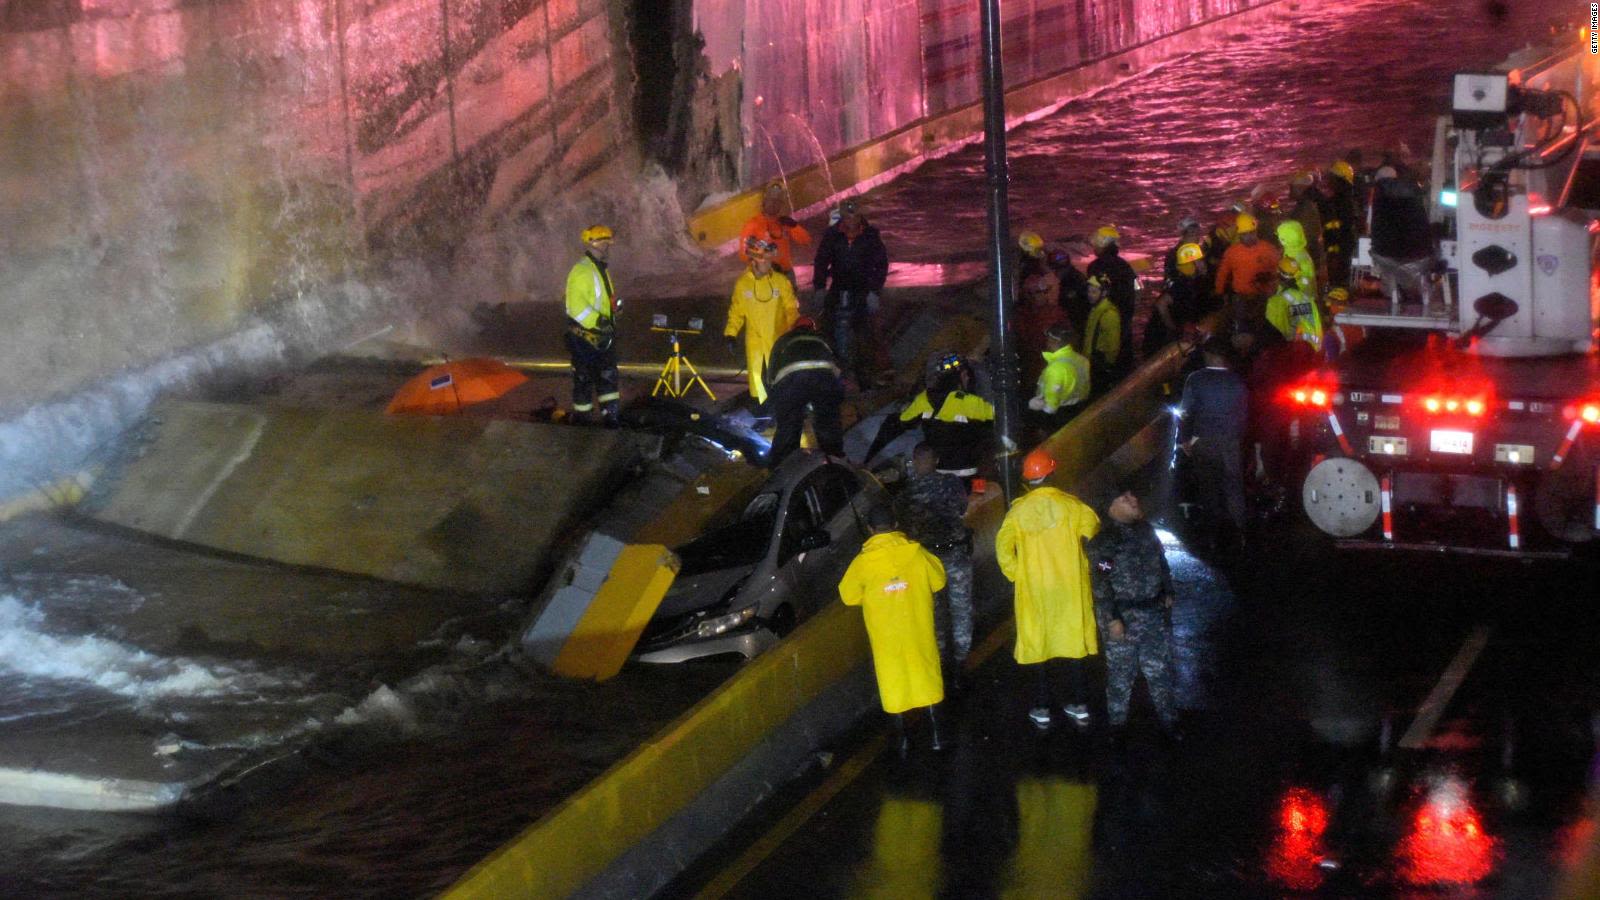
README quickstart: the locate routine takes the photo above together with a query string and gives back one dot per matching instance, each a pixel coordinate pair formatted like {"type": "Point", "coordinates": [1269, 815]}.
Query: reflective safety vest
{"type": "Point", "coordinates": [1102, 336]}
{"type": "Point", "coordinates": [1296, 317]}
{"type": "Point", "coordinates": [1065, 381]}
{"type": "Point", "coordinates": [956, 430]}
{"type": "Point", "coordinates": [589, 294]}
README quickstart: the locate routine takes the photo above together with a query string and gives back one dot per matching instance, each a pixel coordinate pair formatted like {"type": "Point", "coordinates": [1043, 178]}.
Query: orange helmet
{"type": "Point", "coordinates": [1037, 464]}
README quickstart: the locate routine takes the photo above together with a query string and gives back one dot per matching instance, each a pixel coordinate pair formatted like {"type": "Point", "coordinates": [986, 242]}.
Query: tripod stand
{"type": "Point", "coordinates": [671, 379]}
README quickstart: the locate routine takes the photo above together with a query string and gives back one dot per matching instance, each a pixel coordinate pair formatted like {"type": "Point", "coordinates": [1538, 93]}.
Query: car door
{"type": "Point", "coordinates": [836, 494]}
{"type": "Point", "coordinates": [792, 580]}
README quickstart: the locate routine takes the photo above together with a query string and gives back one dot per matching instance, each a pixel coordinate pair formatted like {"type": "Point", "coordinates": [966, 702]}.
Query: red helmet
{"type": "Point", "coordinates": [1037, 464]}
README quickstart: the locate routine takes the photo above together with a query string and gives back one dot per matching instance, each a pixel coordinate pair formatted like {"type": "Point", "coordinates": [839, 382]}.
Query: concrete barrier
{"type": "Point", "coordinates": [457, 503]}
{"type": "Point", "coordinates": [635, 826]}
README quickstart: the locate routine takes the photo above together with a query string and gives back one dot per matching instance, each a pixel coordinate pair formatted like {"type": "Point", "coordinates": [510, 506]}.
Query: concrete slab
{"type": "Point", "coordinates": [454, 503]}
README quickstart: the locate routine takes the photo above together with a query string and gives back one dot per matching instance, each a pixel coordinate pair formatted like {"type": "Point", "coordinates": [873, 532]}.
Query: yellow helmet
{"type": "Point", "coordinates": [1105, 234]}
{"type": "Point", "coordinates": [1031, 243]}
{"type": "Point", "coordinates": [597, 233]}
{"type": "Point", "coordinates": [1343, 170]}
{"type": "Point", "coordinates": [1338, 295]}
{"type": "Point", "coordinates": [1288, 267]}
{"type": "Point", "coordinates": [1245, 223]}
{"type": "Point", "coordinates": [1189, 253]}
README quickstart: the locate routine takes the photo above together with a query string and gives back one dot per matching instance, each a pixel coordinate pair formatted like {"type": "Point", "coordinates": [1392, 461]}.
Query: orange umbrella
{"type": "Point", "coordinates": [446, 389]}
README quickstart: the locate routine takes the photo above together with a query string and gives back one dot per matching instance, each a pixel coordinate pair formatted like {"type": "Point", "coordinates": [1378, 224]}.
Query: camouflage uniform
{"type": "Point", "coordinates": [1131, 578]}
{"type": "Point", "coordinates": [931, 509]}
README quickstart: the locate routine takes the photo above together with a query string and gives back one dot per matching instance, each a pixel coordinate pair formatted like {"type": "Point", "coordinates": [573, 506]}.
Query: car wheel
{"type": "Point", "coordinates": [782, 621]}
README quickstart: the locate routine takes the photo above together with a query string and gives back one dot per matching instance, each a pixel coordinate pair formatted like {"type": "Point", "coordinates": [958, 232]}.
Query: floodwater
{"type": "Point", "coordinates": [406, 814]}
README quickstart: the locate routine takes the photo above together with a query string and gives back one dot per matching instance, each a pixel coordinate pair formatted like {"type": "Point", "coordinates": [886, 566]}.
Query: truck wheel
{"type": "Point", "coordinates": [1564, 500]}
{"type": "Point", "coordinates": [1341, 497]}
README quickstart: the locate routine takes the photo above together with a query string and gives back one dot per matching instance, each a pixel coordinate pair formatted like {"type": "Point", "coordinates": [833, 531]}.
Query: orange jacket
{"type": "Point", "coordinates": [1252, 271]}
{"type": "Point", "coordinates": [768, 228]}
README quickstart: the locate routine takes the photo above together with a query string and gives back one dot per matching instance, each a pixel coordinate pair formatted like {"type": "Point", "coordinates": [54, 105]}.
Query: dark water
{"type": "Point", "coordinates": [407, 816]}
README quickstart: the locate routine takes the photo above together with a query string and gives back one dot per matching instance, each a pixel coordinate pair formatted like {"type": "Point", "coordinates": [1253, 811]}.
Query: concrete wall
{"type": "Point", "coordinates": [861, 69]}
{"type": "Point", "coordinates": [172, 165]}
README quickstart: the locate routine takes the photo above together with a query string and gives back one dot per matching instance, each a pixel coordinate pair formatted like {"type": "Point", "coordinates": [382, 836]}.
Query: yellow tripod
{"type": "Point", "coordinates": [671, 379]}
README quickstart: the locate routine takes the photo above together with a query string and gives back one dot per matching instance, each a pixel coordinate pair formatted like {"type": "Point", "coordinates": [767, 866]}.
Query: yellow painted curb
{"type": "Point", "coordinates": [610, 628]}
{"type": "Point", "coordinates": [578, 839]}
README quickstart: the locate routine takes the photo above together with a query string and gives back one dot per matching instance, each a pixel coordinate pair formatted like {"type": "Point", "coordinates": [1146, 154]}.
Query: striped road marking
{"type": "Point", "coordinates": [1416, 737]}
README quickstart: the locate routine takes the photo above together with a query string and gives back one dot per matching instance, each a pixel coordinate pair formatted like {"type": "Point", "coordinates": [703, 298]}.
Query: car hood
{"type": "Point", "coordinates": [699, 591]}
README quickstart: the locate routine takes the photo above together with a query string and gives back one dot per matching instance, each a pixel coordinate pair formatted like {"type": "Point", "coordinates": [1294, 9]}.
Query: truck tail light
{"type": "Point", "coordinates": [1311, 396]}
{"type": "Point", "coordinates": [1588, 413]}
{"type": "Point", "coordinates": [1455, 406]}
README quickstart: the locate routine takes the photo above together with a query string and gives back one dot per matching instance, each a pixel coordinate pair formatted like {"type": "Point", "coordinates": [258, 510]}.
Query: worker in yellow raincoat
{"type": "Point", "coordinates": [1040, 547]}
{"type": "Point", "coordinates": [764, 306]}
{"type": "Point", "coordinates": [893, 580]}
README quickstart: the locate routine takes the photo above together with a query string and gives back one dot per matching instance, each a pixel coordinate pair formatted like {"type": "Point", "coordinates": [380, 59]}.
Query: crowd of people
{"type": "Point", "coordinates": [1276, 268]}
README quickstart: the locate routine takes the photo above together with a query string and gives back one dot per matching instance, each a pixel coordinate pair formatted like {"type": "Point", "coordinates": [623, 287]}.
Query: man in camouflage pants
{"type": "Point", "coordinates": [1132, 596]}
{"type": "Point", "coordinates": [932, 508]}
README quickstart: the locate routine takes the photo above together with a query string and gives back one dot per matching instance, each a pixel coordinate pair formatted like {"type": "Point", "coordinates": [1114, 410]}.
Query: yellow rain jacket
{"type": "Point", "coordinates": [1102, 336]}
{"type": "Point", "coordinates": [893, 581]}
{"type": "Point", "coordinates": [1065, 380]}
{"type": "Point", "coordinates": [1296, 317]}
{"type": "Point", "coordinates": [1040, 547]}
{"type": "Point", "coordinates": [589, 294]}
{"type": "Point", "coordinates": [765, 307]}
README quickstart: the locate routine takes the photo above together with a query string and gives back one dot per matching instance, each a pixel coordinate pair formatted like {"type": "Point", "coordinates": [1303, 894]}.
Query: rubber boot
{"type": "Point", "coordinates": [902, 743]}
{"type": "Point", "coordinates": [933, 729]}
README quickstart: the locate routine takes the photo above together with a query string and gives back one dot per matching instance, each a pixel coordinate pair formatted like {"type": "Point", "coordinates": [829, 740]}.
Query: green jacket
{"type": "Point", "coordinates": [1293, 238]}
{"type": "Point", "coordinates": [1065, 381]}
{"type": "Point", "coordinates": [590, 295]}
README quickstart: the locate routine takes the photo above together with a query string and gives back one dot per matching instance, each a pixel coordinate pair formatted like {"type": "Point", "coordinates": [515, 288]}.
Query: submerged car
{"type": "Point", "coordinates": [746, 582]}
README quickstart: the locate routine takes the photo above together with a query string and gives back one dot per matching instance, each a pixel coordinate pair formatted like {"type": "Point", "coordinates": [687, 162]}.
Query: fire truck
{"type": "Point", "coordinates": [1472, 424]}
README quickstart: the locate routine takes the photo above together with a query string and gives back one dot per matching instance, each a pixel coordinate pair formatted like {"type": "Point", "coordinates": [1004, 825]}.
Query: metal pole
{"type": "Point", "coordinates": [994, 153]}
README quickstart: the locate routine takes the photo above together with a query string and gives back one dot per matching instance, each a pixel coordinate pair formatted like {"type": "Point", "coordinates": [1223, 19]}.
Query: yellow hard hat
{"type": "Point", "coordinates": [597, 233]}
{"type": "Point", "coordinates": [1189, 253]}
{"type": "Point", "coordinates": [1338, 295]}
{"type": "Point", "coordinates": [1245, 223]}
{"type": "Point", "coordinates": [1343, 170]}
{"type": "Point", "coordinates": [1105, 234]}
{"type": "Point", "coordinates": [1031, 243]}
{"type": "Point", "coordinates": [1287, 266]}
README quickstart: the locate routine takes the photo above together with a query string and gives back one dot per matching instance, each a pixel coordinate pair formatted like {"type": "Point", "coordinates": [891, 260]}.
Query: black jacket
{"type": "Point", "coordinates": [1400, 227]}
{"type": "Point", "coordinates": [858, 265]}
{"type": "Point", "coordinates": [798, 350]}
{"type": "Point", "coordinates": [1215, 406]}
{"type": "Point", "coordinates": [1127, 567]}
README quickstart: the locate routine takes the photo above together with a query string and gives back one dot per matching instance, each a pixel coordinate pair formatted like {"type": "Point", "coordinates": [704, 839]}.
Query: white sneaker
{"type": "Point", "coordinates": [1079, 714]}
{"type": "Point", "coordinates": [1040, 717]}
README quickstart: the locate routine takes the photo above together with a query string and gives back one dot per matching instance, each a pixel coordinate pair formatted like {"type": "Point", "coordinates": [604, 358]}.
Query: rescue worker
{"type": "Point", "coordinates": [1031, 260]}
{"type": "Point", "coordinates": [848, 275]}
{"type": "Point", "coordinates": [1248, 274]}
{"type": "Point", "coordinates": [763, 306]}
{"type": "Point", "coordinates": [1213, 414]}
{"type": "Point", "coordinates": [1065, 381]}
{"type": "Point", "coordinates": [1308, 215]}
{"type": "Point", "coordinates": [1188, 233]}
{"type": "Point", "coordinates": [1039, 311]}
{"type": "Point", "coordinates": [1292, 238]}
{"type": "Point", "coordinates": [1403, 248]}
{"type": "Point", "coordinates": [1102, 339]}
{"type": "Point", "coordinates": [1040, 547]}
{"type": "Point", "coordinates": [1339, 222]}
{"type": "Point", "coordinates": [1074, 291]}
{"type": "Point", "coordinates": [802, 375]}
{"type": "Point", "coordinates": [1217, 241]}
{"type": "Point", "coordinates": [1132, 597]}
{"type": "Point", "coordinates": [591, 334]}
{"type": "Point", "coordinates": [1120, 281]}
{"type": "Point", "coordinates": [893, 580]}
{"type": "Point", "coordinates": [933, 507]}
{"type": "Point", "coordinates": [774, 227]}
{"type": "Point", "coordinates": [955, 422]}
{"type": "Point", "coordinates": [1185, 298]}
{"type": "Point", "coordinates": [1291, 310]}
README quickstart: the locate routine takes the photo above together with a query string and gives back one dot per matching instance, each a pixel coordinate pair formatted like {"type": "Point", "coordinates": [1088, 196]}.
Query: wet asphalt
{"type": "Point", "coordinates": [1322, 756]}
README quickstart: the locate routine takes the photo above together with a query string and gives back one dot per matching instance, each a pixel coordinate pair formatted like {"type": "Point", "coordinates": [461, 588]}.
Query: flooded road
{"type": "Point", "coordinates": [1318, 660]}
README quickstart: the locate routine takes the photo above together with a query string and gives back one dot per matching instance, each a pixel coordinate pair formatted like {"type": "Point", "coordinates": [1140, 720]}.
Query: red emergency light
{"type": "Point", "coordinates": [1439, 404]}
{"type": "Point", "coordinates": [1446, 843]}
{"type": "Point", "coordinates": [1311, 395]}
{"type": "Point", "coordinates": [1589, 412]}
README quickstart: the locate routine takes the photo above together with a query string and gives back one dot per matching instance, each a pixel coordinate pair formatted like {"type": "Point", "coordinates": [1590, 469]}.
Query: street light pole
{"type": "Point", "coordinates": [1001, 258]}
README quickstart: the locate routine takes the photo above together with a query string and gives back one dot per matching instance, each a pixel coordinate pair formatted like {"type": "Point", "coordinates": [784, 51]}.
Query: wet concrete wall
{"type": "Point", "coordinates": [861, 69]}
{"type": "Point", "coordinates": [172, 166]}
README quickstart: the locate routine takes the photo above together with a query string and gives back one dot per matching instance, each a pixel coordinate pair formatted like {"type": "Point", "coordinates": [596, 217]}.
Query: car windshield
{"type": "Point", "coordinates": [742, 542]}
